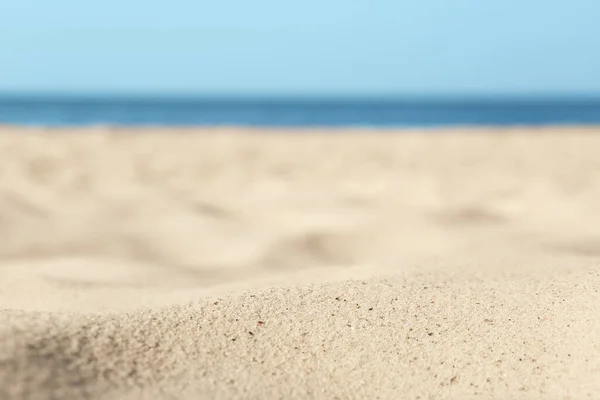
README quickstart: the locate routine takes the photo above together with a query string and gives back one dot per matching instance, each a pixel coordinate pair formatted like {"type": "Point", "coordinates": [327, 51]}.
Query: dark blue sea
{"type": "Point", "coordinates": [78, 111]}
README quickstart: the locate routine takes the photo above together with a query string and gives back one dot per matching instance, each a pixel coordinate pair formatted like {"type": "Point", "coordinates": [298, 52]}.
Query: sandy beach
{"type": "Point", "coordinates": [271, 264]}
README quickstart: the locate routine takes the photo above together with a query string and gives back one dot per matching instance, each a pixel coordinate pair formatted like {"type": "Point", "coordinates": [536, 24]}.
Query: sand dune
{"type": "Point", "coordinates": [237, 263]}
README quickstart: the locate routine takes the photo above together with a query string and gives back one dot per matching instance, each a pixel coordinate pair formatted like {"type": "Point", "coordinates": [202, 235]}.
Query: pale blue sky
{"type": "Point", "coordinates": [308, 47]}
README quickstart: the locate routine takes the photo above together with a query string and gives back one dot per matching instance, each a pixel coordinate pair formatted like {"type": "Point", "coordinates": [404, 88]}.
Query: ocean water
{"type": "Point", "coordinates": [73, 111]}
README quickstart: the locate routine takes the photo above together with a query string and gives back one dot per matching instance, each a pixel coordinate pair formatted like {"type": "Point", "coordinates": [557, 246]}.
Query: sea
{"type": "Point", "coordinates": [397, 112]}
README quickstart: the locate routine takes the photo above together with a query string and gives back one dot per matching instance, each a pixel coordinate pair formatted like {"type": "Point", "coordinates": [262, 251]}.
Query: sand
{"type": "Point", "coordinates": [271, 264]}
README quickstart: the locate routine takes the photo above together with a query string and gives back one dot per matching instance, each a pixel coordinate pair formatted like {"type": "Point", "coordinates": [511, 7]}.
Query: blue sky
{"type": "Point", "coordinates": [309, 47]}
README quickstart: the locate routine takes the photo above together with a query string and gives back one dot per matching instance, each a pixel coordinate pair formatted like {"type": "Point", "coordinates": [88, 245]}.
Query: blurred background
{"type": "Point", "coordinates": [311, 63]}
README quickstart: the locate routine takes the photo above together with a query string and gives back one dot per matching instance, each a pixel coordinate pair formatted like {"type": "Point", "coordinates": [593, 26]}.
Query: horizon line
{"type": "Point", "coordinates": [292, 97]}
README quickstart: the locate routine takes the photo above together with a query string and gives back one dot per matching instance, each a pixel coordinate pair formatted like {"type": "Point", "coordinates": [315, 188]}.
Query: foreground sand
{"type": "Point", "coordinates": [244, 264]}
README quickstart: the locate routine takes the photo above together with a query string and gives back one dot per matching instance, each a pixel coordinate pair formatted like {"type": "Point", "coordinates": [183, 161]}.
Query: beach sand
{"type": "Point", "coordinates": [270, 264]}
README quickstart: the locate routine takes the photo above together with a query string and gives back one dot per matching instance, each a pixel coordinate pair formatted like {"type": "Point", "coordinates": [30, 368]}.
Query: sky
{"type": "Point", "coordinates": [300, 48]}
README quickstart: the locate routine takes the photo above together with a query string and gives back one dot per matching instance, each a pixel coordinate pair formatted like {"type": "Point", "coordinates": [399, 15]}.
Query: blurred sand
{"type": "Point", "coordinates": [233, 263]}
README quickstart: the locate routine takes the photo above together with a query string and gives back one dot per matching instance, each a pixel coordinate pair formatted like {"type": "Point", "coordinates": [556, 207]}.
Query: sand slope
{"type": "Point", "coordinates": [227, 263]}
